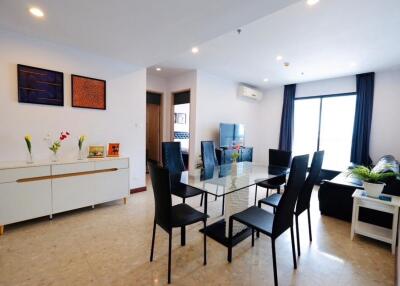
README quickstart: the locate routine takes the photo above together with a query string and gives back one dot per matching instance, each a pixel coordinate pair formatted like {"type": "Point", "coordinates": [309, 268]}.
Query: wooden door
{"type": "Point", "coordinates": [153, 128]}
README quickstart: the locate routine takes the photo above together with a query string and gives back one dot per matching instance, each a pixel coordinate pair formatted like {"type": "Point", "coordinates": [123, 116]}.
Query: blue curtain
{"type": "Point", "coordinates": [362, 119]}
{"type": "Point", "coordinates": [287, 119]}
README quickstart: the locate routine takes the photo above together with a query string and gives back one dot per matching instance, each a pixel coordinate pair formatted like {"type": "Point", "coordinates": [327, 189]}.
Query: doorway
{"type": "Point", "coordinates": [153, 126]}
{"type": "Point", "coordinates": [181, 122]}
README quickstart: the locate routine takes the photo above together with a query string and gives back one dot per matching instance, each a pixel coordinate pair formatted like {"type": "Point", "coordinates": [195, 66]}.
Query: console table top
{"type": "Point", "coordinates": [23, 164]}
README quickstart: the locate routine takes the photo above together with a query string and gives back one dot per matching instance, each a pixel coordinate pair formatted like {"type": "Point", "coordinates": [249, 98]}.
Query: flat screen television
{"type": "Point", "coordinates": [231, 135]}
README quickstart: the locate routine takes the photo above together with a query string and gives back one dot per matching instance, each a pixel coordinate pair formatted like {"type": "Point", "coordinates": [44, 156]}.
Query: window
{"type": "Point", "coordinates": [325, 123]}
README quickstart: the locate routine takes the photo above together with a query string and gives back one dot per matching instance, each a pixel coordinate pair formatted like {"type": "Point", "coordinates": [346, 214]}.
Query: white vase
{"type": "Point", "coordinates": [234, 169]}
{"type": "Point", "coordinates": [80, 154]}
{"type": "Point", "coordinates": [373, 189]}
{"type": "Point", "coordinates": [29, 158]}
{"type": "Point", "coordinates": [54, 157]}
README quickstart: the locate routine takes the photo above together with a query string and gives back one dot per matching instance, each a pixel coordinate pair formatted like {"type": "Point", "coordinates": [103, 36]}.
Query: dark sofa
{"type": "Point", "coordinates": [335, 196]}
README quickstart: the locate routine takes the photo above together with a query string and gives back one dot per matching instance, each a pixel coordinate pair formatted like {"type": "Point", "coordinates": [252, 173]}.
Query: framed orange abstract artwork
{"type": "Point", "coordinates": [113, 150]}
{"type": "Point", "coordinates": [88, 92]}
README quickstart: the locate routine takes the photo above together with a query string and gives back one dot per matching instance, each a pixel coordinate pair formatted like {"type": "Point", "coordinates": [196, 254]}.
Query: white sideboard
{"type": "Point", "coordinates": [29, 191]}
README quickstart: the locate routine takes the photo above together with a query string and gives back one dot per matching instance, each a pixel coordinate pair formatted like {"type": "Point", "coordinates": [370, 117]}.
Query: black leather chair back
{"type": "Point", "coordinates": [279, 158]}
{"type": "Point", "coordinates": [208, 155]}
{"type": "Point", "coordinates": [284, 212]}
{"type": "Point", "coordinates": [282, 159]}
{"type": "Point", "coordinates": [172, 157]}
{"type": "Point", "coordinates": [303, 201]}
{"type": "Point", "coordinates": [162, 195]}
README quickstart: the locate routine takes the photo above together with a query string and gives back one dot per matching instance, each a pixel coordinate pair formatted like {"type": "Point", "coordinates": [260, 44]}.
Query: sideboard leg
{"type": "Point", "coordinates": [125, 200]}
{"type": "Point", "coordinates": [1, 229]}
{"type": "Point", "coordinates": [51, 217]}
{"type": "Point", "coordinates": [92, 206]}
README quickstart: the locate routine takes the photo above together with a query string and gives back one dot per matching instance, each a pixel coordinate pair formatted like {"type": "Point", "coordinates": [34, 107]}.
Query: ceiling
{"type": "Point", "coordinates": [141, 33]}
{"type": "Point", "coordinates": [331, 39]}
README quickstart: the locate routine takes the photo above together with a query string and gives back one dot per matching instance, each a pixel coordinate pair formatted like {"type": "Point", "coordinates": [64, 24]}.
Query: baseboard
{"type": "Point", "coordinates": [138, 190]}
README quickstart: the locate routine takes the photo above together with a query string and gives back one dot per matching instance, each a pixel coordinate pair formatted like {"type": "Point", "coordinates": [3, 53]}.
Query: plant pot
{"type": "Point", "coordinates": [373, 189]}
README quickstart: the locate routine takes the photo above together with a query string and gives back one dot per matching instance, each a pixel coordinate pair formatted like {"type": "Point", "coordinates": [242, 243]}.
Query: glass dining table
{"type": "Point", "coordinates": [232, 182]}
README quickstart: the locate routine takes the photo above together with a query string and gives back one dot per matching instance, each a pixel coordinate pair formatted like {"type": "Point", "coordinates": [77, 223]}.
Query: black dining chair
{"type": "Point", "coordinates": [209, 159]}
{"type": "Point", "coordinates": [173, 161]}
{"type": "Point", "coordinates": [303, 200]}
{"type": "Point", "coordinates": [168, 216]}
{"type": "Point", "coordinates": [277, 158]}
{"type": "Point", "coordinates": [273, 225]}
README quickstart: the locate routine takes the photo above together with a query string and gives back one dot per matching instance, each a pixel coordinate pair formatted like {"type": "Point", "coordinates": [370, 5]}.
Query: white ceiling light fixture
{"type": "Point", "coordinates": [37, 12]}
{"type": "Point", "coordinates": [266, 80]}
{"type": "Point", "coordinates": [158, 69]}
{"type": "Point", "coordinates": [312, 2]}
{"type": "Point", "coordinates": [195, 50]}
{"type": "Point", "coordinates": [279, 58]}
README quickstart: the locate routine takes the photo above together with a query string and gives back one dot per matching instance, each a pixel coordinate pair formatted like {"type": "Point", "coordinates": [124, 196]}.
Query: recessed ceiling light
{"type": "Point", "coordinates": [353, 64]}
{"type": "Point", "coordinates": [36, 12]}
{"type": "Point", "coordinates": [286, 64]}
{"type": "Point", "coordinates": [312, 2]}
{"type": "Point", "coordinates": [279, 58]}
{"type": "Point", "coordinates": [158, 69]}
{"type": "Point", "coordinates": [195, 50]}
{"type": "Point", "coordinates": [265, 79]}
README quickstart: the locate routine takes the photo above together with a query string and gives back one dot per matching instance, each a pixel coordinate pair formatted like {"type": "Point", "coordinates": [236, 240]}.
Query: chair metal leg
{"type": "Point", "coordinates": [309, 223]}
{"type": "Point", "coordinates": [293, 248]}
{"type": "Point", "coordinates": [297, 234]}
{"type": "Point", "coordinates": [201, 200]}
{"type": "Point", "coordinates": [255, 196]}
{"type": "Point", "coordinates": [258, 233]}
{"type": "Point", "coordinates": [205, 242]}
{"type": "Point", "coordinates": [183, 235]}
{"type": "Point", "coordinates": [230, 239]}
{"type": "Point", "coordinates": [215, 198]}
{"type": "Point", "coordinates": [152, 241]}
{"type": "Point", "coordinates": [252, 237]}
{"type": "Point", "coordinates": [267, 194]}
{"type": "Point", "coordinates": [184, 200]}
{"type": "Point", "coordinates": [279, 189]}
{"type": "Point", "coordinates": [169, 256]}
{"type": "Point", "coordinates": [223, 205]}
{"type": "Point", "coordinates": [274, 262]}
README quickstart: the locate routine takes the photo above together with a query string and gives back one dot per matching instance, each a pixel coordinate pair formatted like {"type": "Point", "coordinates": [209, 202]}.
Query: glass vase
{"type": "Point", "coordinates": [29, 158]}
{"type": "Point", "coordinates": [54, 157]}
{"type": "Point", "coordinates": [80, 154]}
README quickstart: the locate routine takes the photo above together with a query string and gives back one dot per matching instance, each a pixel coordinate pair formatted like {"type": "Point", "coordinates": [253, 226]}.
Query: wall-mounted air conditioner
{"type": "Point", "coordinates": [249, 92]}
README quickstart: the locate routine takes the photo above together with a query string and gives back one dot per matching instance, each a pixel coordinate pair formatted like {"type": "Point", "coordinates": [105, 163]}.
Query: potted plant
{"type": "Point", "coordinates": [373, 181]}
{"type": "Point", "coordinates": [28, 141]}
{"type": "Point", "coordinates": [235, 156]}
{"type": "Point", "coordinates": [81, 139]}
{"type": "Point", "coordinates": [54, 146]}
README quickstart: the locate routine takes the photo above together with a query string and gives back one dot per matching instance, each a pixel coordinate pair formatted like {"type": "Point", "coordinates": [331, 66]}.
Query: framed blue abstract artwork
{"type": "Point", "coordinates": [40, 86]}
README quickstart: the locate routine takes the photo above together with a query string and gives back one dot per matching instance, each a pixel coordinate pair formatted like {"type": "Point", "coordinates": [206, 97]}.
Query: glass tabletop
{"type": "Point", "coordinates": [225, 179]}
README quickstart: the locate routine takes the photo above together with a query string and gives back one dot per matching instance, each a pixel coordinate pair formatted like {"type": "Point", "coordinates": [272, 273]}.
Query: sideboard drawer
{"type": "Point", "coordinates": [12, 175]}
{"type": "Point", "coordinates": [117, 163]}
{"type": "Point", "coordinates": [72, 168]}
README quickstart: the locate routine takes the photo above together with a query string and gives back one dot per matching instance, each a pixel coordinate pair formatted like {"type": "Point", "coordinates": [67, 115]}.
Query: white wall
{"type": "Point", "coordinates": [385, 131]}
{"type": "Point", "coordinates": [217, 101]}
{"type": "Point", "coordinates": [185, 81]}
{"type": "Point", "coordinates": [123, 121]}
{"type": "Point", "coordinates": [159, 84]}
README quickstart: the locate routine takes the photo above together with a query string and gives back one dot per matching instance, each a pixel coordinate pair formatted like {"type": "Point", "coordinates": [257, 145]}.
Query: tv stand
{"type": "Point", "coordinates": [224, 154]}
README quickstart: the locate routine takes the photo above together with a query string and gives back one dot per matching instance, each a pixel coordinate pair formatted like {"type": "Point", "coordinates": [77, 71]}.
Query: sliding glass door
{"type": "Point", "coordinates": [325, 123]}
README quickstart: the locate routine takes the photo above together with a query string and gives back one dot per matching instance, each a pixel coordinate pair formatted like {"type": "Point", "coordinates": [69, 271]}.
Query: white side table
{"type": "Point", "coordinates": [371, 230]}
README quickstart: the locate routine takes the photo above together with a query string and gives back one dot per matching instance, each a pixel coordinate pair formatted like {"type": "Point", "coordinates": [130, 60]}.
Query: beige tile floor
{"type": "Point", "coordinates": [110, 245]}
